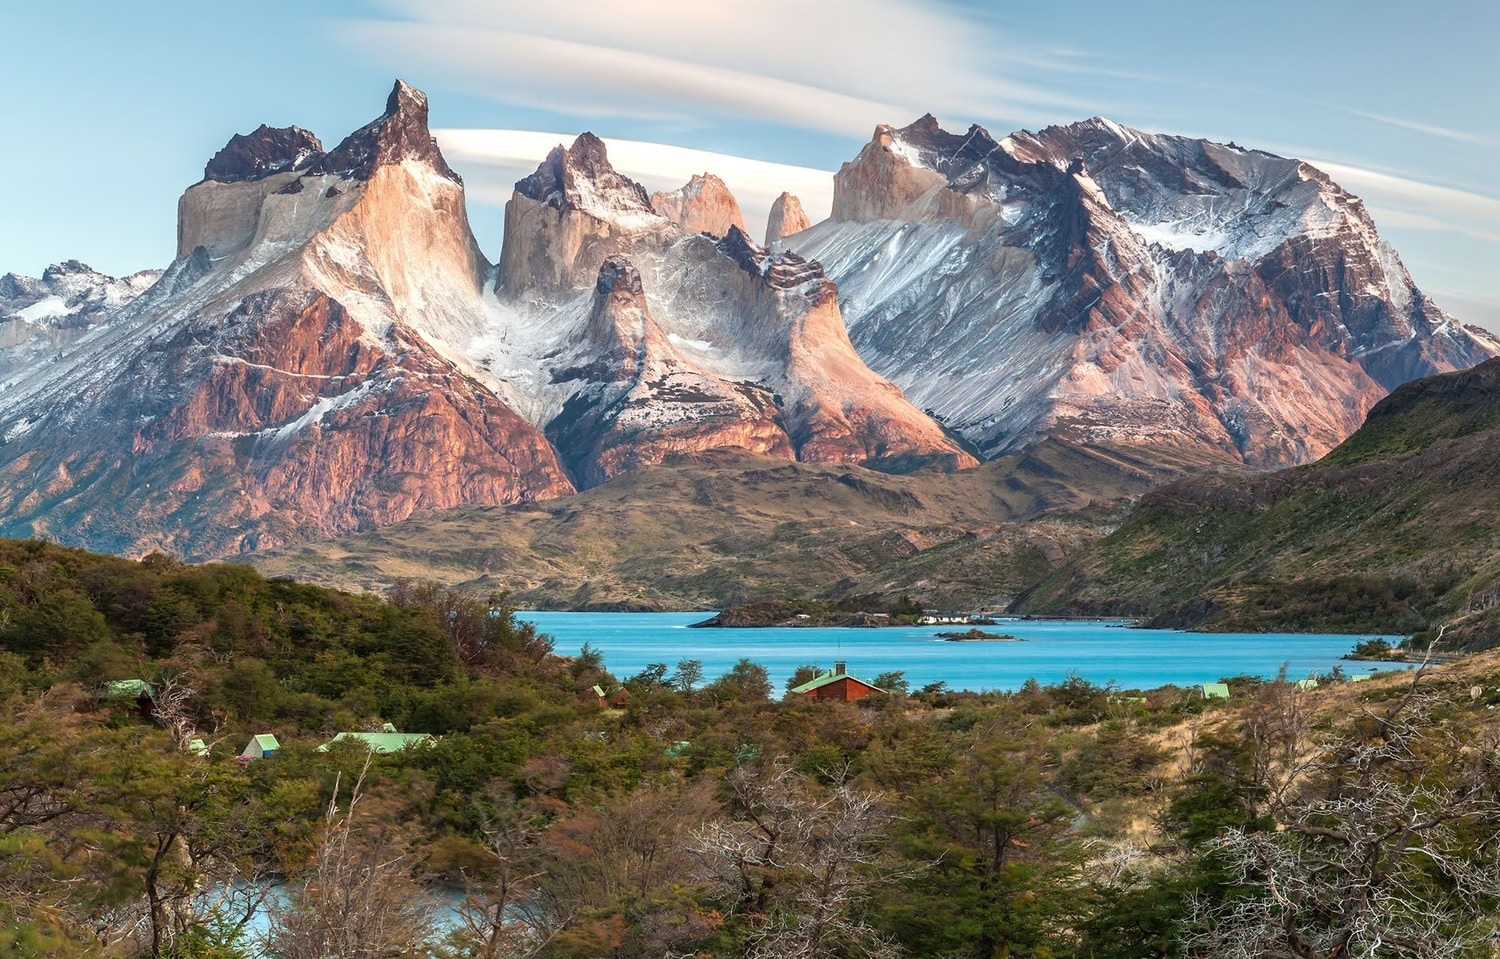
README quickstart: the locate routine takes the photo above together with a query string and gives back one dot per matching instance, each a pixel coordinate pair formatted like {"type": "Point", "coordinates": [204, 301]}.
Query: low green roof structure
{"type": "Point", "coordinates": [125, 689]}
{"type": "Point", "coordinates": [1215, 690]}
{"type": "Point", "coordinates": [388, 742]}
{"type": "Point", "coordinates": [260, 746]}
{"type": "Point", "coordinates": [838, 683]}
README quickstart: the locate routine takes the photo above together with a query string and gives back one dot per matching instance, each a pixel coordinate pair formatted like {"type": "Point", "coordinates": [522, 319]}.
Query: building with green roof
{"type": "Point", "coordinates": [385, 742]}
{"type": "Point", "coordinates": [260, 746]}
{"type": "Point", "coordinates": [836, 684]}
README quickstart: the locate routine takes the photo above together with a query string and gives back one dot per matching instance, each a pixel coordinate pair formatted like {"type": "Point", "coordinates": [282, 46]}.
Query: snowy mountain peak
{"type": "Point", "coordinates": [703, 205]}
{"type": "Point", "coordinates": [263, 152]}
{"type": "Point", "coordinates": [398, 134]}
{"type": "Point", "coordinates": [618, 275]}
{"type": "Point", "coordinates": [580, 177]}
{"type": "Point", "coordinates": [781, 271]}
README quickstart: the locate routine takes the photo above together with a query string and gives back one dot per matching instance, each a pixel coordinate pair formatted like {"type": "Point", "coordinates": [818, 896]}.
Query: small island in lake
{"type": "Point", "coordinates": [980, 636]}
{"type": "Point", "coordinates": [800, 613]}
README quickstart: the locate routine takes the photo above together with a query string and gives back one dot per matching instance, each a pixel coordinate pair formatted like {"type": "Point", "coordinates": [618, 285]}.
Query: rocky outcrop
{"type": "Point", "coordinates": [263, 152]}
{"type": "Point", "coordinates": [42, 317]}
{"type": "Point", "coordinates": [297, 373]}
{"type": "Point", "coordinates": [569, 216]}
{"type": "Point", "coordinates": [641, 400]}
{"type": "Point", "coordinates": [703, 205]}
{"type": "Point", "coordinates": [740, 346]}
{"type": "Point", "coordinates": [1107, 285]}
{"type": "Point", "coordinates": [786, 217]}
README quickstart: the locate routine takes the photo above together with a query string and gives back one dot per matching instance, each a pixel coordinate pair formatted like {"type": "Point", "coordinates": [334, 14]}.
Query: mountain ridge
{"type": "Point", "coordinates": [331, 351]}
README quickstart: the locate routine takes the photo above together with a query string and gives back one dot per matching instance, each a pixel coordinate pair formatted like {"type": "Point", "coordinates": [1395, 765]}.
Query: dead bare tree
{"type": "Point", "coordinates": [502, 914]}
{"type": "Point", "coordinates": [797, 860]}
{"type": "Point", "coordinates": [355, 901]}
{"type": "Point", "coordinates": [1386, 843]}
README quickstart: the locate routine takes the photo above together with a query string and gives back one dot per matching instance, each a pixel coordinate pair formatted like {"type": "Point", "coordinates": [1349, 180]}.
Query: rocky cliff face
{"type": "Point", "coordinates": [786, 217]}
{"type": "Point", "coordinates": [703, 205]}
{"type": "Point", "coordinates": [571, 215]}
{"type": "Point", "coordinates": [1105, 284]}
{"type": "Point", "coordinates": [297, 372]}
{"type": "Point", "coordinates": [739, 347]}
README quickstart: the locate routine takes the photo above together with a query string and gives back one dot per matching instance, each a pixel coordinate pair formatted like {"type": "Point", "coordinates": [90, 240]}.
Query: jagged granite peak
{"type": "Point", "coordinates": [782, 270]}
{"type": "Point", "coordinates": [903, 171]}
{"type": "Point", "coordinates": [580, 177]}
{"type": "Point", "coordinates": [568, 216]}
{"type": "Point", "coordinates": [263, 152]}
{"type": "Point", "coordinates": [786, 217]}
{"type": "Point", "coordinates": [635, 398]}
{"type": "Point", "coordinates": [703, 205]}
{"type": "Point", "coordinates": [1106, 284]}
{"type": "Point", "coordinates": [300, 370]}
{"type": "Point", "coordinates": [400, 133]}
{"type": "Point", "coordinates": [740, 346]}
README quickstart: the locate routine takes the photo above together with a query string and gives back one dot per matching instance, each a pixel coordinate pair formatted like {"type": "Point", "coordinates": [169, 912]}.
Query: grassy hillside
{"type": "Point", "coordinates": [729, 528]}
{"type": "Point", "coordinates": [1396, 530]}
{"type": "Point", "coordinates": [1068, 821]}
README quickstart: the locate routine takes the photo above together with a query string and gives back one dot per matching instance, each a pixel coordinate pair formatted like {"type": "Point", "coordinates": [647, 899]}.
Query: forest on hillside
{"type": "Point", "coordinates": [692, 815]}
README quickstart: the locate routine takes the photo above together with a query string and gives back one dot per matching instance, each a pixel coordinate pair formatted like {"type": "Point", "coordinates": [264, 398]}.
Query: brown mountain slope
{"type": "Point", "coordinates": [726, 528]}
{"type": "Point", "coordinates": [1398, 529]}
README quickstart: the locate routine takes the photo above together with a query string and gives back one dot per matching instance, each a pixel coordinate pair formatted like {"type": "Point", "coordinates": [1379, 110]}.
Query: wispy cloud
{"type": "Point", "coordinates": [492, 160]}
{"type": "Point", "coordinates": [839, 66]}
{"type": "Point", "coordinates": [1411, 203]}
{"type": "Point", "coordinates": [1446, 133]}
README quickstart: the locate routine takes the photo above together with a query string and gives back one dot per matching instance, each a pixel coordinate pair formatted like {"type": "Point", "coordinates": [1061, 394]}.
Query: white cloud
{"type": "Point", "coordinates": [835, 65]}
{"type": "Point", "coordinates": [492, 160]}
{"type": "Point", "coordinates": [1403, 201]}
{"type": "Point", "coordinates": [1430, 129]}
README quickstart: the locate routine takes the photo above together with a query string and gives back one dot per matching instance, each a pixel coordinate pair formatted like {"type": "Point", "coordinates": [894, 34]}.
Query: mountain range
{"type": "Point", "coordinates": [330, 351]}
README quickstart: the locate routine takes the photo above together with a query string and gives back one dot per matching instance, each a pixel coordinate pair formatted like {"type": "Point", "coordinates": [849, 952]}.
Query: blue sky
{"type": "Point", "coordinates": [112, 108]}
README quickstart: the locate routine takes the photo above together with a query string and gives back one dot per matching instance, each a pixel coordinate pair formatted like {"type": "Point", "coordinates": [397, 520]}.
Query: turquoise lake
{"type": "Point", "coordinates": [1100, 652]}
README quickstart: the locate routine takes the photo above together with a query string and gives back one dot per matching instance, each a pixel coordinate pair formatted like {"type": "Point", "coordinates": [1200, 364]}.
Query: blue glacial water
{"type": "Point", "coordinates": [1100, 652]}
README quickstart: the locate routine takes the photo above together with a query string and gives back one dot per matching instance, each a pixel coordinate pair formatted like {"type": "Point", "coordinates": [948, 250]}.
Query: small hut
{"type": "Point", "coordinates": [260, 746]}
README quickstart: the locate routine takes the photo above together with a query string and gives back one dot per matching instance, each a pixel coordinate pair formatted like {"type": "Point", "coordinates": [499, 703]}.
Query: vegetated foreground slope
{"type": "Point", "coordinates": [728, 528]}
{"type": "Point", "coordinates": [1115, 826]}
{"type": "Point", "coordinates": [1396, 529]}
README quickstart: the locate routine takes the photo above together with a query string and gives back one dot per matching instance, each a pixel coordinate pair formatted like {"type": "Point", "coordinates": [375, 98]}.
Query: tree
{"type": "Point", "coordinates": [997, 837]}
{"type": "Point", "coordinates": [745, 682]}
{"type": "Point", "coordinates": [504, 914]}
{"type": "Point", "coordinates": [805, 673]}
{"type": "Point", "coordinates": [357, 899]}
{"type": "Point", "coordinates": [795, 861]}
{"type": "Point", "coordinates": [688, 675]}
{"type": "Point", "coordinates": [1386, 842]}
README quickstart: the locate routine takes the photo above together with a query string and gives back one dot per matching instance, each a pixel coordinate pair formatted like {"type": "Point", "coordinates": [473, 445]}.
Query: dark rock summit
{"type": "Point", "coordinates": [264, 152]}
{"type": "Point", "coordinates": [576, 176]}
{"type": "Point", "coordinates": [781, 271]}
{"type": "Point", "coordinates": [398, 134]}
